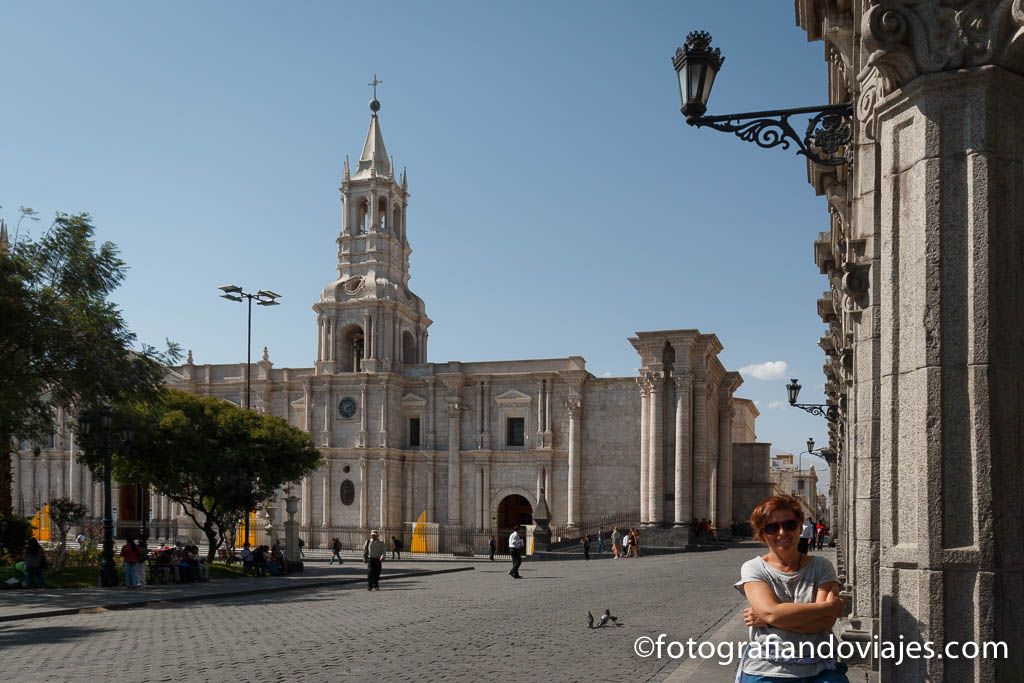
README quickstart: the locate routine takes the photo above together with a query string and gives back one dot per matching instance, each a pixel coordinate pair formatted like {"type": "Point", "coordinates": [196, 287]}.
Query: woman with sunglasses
{"type": "Point", "coordinates": [794, 603]}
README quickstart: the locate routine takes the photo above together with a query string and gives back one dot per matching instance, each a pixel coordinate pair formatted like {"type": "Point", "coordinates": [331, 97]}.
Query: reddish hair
{"type": "Point", "coordinates": [764, 509]}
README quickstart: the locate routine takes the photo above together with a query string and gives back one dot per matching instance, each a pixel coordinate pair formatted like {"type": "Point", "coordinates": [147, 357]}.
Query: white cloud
{"type": "Point", "coordinates": [773, 369]}
{"type": "Point", "coordinates": [776, 404]}
{"type": "Point", "coordinates": [607, 374]}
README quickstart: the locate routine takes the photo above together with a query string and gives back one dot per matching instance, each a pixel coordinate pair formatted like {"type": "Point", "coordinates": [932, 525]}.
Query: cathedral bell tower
{"type": "Point", "coordinates": [368, 320]}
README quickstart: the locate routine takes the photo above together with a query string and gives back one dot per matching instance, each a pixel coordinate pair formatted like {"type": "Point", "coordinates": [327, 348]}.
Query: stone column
{"type": "Point", "coordinates": [74, 474]}
{"type": "Point", "coordinates": [44, 464]}
{"type": "Point", "coordinates": [574, 502]}
{"type": "Point", "coordinates": [307, 501]}
{"type": "Point", "coordinates": [16, 483]}
{"type": "Point", "coordinates": [645, 445]}
{"type": "Point", "coordinates": [540, 413]}
{"type": "Point", "coordinates": [431, 506]}
{"type": "Point", "coordinates": [364, 494]}
{"type": "Point", "coordinates": [701, 464]}
{"type": "Point", "coordinates": [363, 409]}
{"type": "Point", "coordinates": [723, 520]}
{"type": "Point", "coordinates": [479, 497]}
{"type": "Point", "coordinates": [431, 407]}
{"type": "Point", "coordinates": [684, 455]}
{"type": "Point", "coordinates": [384, 493]}
{"type": "Point", "coordinates": [326, 502]}
{"type": "Point", "coordinates": [487, 415]}
{"type": "Point", "coordinates": [952, 202]}
{"type": "Point", "coordinates": [328, 415]}
{"type": "Point", "coordinates": [408, 473]}
{"type": "Point", "coordinates": [384, 416]}
{"type": "Point", "coordinates": [656, 451]}
{"type": "Point", "coordinates": [454, 463]}
{"type": "Point", "coordinates": [547, 417]}
{"type": "Point", "coordinates": [487, 495]}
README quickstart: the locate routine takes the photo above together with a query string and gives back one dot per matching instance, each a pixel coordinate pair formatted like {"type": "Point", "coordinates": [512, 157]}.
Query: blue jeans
{"type": "Point", "coordinates": [131, 574]}
{"type": "Point", "coordinates": [836, 675]}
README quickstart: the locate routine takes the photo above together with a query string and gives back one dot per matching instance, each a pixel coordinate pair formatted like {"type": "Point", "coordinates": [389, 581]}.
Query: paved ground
{"type": "Point", "coordinates": [476, 625]}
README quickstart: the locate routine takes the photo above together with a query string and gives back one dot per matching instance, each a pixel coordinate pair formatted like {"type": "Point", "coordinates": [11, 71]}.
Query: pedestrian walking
{"type": "Point", "coordinates": [626, 539]}
{"type": "Point", "coordinates": [806, 535]}
{"type": "Point", "coordinates": [616, 541]}
{"type": "Point", "coordinates": [302, 545]}
{"type": "Point", "coordinates": [819, 533]}
{"type": "Point", "coordinates": [492, 545]}
{"type": "Point", "coordinates": [515, 549]}
{"type": "Point", "coordinates": [35, 563]}
{"type": "Point", "coordinates": [132, 555]}
{"type": "Point", "coordinates": [585, 542]}
{"type": "Point", "coordinates": [600, 540]}
{"type": "Point", "coordinates": [336, 552]}
{"type": "Point", "coordinates": [634, 543]}
{"type": "Point", "coordinates": [396, 548]}
{"type": "Point", "coordinates": [374, 551]}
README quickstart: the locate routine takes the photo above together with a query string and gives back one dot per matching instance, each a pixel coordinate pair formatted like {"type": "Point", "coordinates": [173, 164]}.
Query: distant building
{"type": "Point", "coordinates": [789, 479]}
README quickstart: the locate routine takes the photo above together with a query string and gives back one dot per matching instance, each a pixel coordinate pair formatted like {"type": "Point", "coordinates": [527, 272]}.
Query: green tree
{"type": "Point", "coordinates": [217, 460]}
{"type": "Point", "coordinates": [62, 342]}
{"type": "Point", "coordinates": [64, 514]}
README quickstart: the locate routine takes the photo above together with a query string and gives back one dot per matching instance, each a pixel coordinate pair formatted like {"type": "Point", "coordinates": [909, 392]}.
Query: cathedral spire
{"type": "Point", "coordinates": [345, 176]}
{"type": "Point", "coordinates": [374, 159]}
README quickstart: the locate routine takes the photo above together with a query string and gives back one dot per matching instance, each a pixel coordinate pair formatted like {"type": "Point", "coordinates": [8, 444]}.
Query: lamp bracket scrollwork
{"type": "Point", "coordinates": [825, 140]}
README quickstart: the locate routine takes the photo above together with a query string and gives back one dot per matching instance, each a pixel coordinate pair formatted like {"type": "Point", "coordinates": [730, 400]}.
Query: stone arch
{"type": "Point", "coordinates": [410, 354]}
{"type": "Point", "coordinates": [504, 493]}
{"type": "Point", "coordinates": [383, 221]}
{"type": "Point", "coordinates": [362, 217]}
{"type": "Point", "coordinates": [350, 348]}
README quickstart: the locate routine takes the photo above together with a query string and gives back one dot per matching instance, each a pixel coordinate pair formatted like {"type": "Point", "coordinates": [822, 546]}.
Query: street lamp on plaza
{"type": "Point", "coordinates": [829, 130]}
{"type": "Point", "coordinates": [108, 571]}
{"type": "Point", "coordinates": [263, 297]}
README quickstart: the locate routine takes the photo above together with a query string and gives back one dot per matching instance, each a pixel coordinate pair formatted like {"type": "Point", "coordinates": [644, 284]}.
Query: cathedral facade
{"type": "Point", "coordinates": [469, 445]}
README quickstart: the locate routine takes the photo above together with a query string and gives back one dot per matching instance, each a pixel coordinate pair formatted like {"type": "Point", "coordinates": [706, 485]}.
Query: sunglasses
{"type": "Point", "coordinates": [772, 528]}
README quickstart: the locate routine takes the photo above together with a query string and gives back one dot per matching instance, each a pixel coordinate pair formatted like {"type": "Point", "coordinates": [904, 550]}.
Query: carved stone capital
{"type": "Point", "coordinates": [575, 379]}
{"type": "Point", "coordinates": [905, 39]}
{"type": "Point", "coordinates": [453, 382]}
{"type": "Point", "coordinates": [684, 383]}
{"type": "Point", "coordinates": [455, 409]}
{"type": "Point", "coordinates": [574, 408]}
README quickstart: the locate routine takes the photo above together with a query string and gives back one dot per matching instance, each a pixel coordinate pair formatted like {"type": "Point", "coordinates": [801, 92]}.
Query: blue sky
{"type": "Point", "coordinates": [559, 201]}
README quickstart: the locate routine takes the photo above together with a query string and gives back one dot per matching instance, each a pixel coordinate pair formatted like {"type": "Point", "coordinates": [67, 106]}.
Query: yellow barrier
{"type": "Point", "coordinates": [41, 524]}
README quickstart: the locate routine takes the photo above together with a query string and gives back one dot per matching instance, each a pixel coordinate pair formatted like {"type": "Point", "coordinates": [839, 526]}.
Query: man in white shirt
{"type": "Point", "coordinates": [515, 548]}
{"type": "Point", "coordinates": [806, 534]}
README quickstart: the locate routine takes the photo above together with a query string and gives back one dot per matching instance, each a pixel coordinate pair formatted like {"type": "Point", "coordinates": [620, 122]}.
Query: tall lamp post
{"type": "Point", "coordinates": [263, 297]}
{"type": "Point", "coordinates": [829, 130]}
{"type": "Point", "coordinates": [108, 571]}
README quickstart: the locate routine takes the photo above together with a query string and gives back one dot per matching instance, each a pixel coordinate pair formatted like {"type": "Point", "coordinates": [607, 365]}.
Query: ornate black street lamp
{"type": "Point", "coordinates": [828, 132]}
{"type": "Point", "coordinates": [829, 412]}
{"type": "Point", "coordinates": [108, 571]}
{"type": "Point", "coordinates": [264, 297]}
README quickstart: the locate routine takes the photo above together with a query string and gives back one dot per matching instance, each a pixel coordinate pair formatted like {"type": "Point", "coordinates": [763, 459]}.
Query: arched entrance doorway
{"type": "Point", "coordinates": [514, 510]}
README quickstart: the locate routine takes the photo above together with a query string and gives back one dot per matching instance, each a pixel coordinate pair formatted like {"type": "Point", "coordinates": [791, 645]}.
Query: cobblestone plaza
{"type": "Point", "coordinates": [473, 625]}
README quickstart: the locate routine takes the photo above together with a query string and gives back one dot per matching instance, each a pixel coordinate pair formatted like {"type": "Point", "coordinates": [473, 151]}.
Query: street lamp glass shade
{"type": "Point", "coordinates": [230, 297]}
{"type": "Point", "coordinates": [810, 445]}
{"type": "Point", "coordinates": [696, 65]}
{"type": "Point", "coordinates": [793, 389]}
{"type": "Point", "coordinates": [269, 294]}
{"type": "Point", "coordinates": [230, 289]}
{"type": "Point", "coordinates": [129, 434]}
{"type": "Point", "coordinates": [106, 417]}
{"type": "Point", "coordinates": [267, 303]}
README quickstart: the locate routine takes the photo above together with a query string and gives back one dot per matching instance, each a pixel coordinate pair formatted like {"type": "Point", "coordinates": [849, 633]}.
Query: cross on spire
{"type": "Point", "coordinates": [374, 83]}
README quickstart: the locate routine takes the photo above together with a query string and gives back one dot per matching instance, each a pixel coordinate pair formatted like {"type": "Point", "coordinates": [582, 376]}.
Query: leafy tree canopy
{"type": "Point", "coordinates": [213, 457]}
{"type": "Point", "coordinates": [62, 342]}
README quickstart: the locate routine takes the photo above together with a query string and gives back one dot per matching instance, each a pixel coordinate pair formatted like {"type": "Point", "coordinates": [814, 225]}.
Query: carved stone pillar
{"type": "Point", "coordinates": [326, 502]}
{"type": "Point", "coordinates": [723, 521]}
{"type": "Point", "coordinates": [656, 451]}
{"type": "Point", "coordinates": [574, 408]}
{"type": "Point", "coordinates": [363, 408]}
{"type": "Point", "coordinates": [684, 454]}
{"type": "Point", "coordinates": [701, 456]}
{"type": "Point", "coordinates": [431, 506]}
{"type": "Point", "coordinates": [454, 463]}
{"type": "Point", "coordinates": [384, 494]}
{"type": "Point", "coordinates": [364, 493]}
{"type": "Point", "coordinates": [645, 445]}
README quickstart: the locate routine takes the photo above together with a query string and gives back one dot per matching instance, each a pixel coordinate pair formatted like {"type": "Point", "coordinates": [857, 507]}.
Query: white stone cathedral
{"type": "Point", "coordinates": [467, 445]}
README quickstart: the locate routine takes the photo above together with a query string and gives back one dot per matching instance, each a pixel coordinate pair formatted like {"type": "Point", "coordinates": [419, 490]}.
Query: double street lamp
{"type": "Point", "coordinates": [263, 297]}
{"type": "Point", "coordinates": [829, 130]}
{"type": "Point", "coordinates": [108, 571]}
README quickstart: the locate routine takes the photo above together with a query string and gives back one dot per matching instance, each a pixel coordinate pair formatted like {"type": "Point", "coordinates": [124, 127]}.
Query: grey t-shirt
{"type": "Point", "coordinates": [799, 586]}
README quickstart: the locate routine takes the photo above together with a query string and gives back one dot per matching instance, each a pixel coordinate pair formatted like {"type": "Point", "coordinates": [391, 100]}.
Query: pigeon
{"type": "Point", "coordinates": [606, 617]}
{"type": "Point", "coordinates": [590, 620]}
